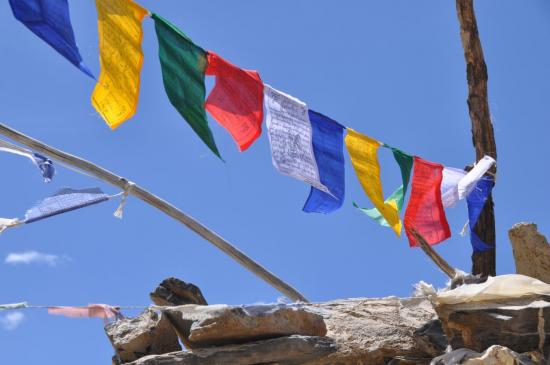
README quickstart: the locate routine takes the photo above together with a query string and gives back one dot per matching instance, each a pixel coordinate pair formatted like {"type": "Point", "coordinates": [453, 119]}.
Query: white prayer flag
{"type": "Point", "coordinates": [290, 137]}
{"type": "Point", "coordinates": [466, 185]}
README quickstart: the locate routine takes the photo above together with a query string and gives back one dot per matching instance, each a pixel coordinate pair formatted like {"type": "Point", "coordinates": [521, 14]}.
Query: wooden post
{"type": "Point", "coordinates": [162, 205]}
{"type": "Point", "coordinates": [483, 138]}
{"type": "Point", "coordinates": [436, 258]}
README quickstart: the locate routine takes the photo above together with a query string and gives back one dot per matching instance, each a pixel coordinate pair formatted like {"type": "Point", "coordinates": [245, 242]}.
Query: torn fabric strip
{"type": "Point", "coordinates": [328, 148]}
{"type": "Point", "coordinates": [363, 152]}
{"type": "Point", "coordinates": [183, 66]}
{"type": "Point", "coordinates": [63, 201]}
{"type": "Point", "coordinates": [466, 185]}
{"type": "Point", "coordinates": [50, 20]}
{"type": "Point", "coordinates": [44, 164]}
{"type": "Point", "coordinates": [425, 212]}
{"type": "Point", "coordinates": [476, 201]}
{"type": "Point", "coordinates": [116, 93]}
{"type": "Point", "coordinates": [103, 311]}
{"type": "Point", "coordinates": [236, 101]}
{"type": "Point", "coordinates": [22, 305]}
{"type": "Point", "coordinates": [290, 137]}
{"type": "Point", "coordinates": [405, 162]}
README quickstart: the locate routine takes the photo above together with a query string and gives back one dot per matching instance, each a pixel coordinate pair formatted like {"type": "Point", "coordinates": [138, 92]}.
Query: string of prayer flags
{"type": "Point", "coordinates": [116, 93]}
{"type": "Point", "coordinates": [290, 137]}
{"type": "Point", "coordinates": [236, 101]}
{"type": "Point", "coordinates": [328, 145]}
{"type": "Point", "coordinates": [103, 311]}
{"type": "Point", "coordinates": [65, 200]}
{"type": "Point", "coordinates": [183, 66]}
{"type": "Point", "coordinates": [363, 152]}
{"type": "Point", "coordinates": [44, 164]}
{"type": "Point", "coordinates": [425, 212]}
{"type": "Point", "coordinates": [476, 201]}
{"type": "Point", "coordinates": [405, 162]}
{"type": "Point", "coordinates": [50, 20]}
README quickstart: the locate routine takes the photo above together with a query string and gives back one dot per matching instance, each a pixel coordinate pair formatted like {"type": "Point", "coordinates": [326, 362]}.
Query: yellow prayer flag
{"type": "Point", "coordinates": [363, 152]}
{"type": "Point", "coordinates": [116, 93]}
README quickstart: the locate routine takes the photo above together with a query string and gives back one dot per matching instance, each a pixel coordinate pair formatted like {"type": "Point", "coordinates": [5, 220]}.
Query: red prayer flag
{"type": "Point", "coordinates": [236, 101]}
{"type": "Point", "coordinates": [425, 212]}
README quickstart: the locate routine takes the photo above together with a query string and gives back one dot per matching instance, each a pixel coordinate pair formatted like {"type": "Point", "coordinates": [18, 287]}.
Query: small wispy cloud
{"type": "Point", "coordinates": [12, 320]}
{"type": "Point", "coordinates": [34, 257]}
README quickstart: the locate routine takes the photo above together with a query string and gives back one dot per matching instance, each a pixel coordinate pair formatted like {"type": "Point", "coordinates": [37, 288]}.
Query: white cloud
{"type": "Point", "coordinates": [34, 257]}
{"type": "Point", "coordinates": [12, 320]}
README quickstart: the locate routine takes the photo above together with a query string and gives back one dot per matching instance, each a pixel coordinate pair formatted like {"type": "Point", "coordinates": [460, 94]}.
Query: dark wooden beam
{"type": "Point", "coordinates": [483, 137]}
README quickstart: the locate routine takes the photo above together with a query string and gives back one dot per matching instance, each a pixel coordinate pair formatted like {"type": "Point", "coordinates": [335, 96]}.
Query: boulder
{"type": "Point", "coordinates": [174, 291]}
{"type": "Point", "coordinates": [282, 351]}
{"type": "Point", "coordinates": [531, 251]}
{"type": "Point", "coordinates": [494, 355]}
{"type": "Point", "coordinates": [221, 325]}
{"type": "Point", "coordinates": [147, 334]}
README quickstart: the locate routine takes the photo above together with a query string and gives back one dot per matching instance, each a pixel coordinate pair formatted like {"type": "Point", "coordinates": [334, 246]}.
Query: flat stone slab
{"type": "Point", "coordinates": [281, 351]}
{"type": "Point", "coordinates": [531, 251]}
{"type": "Point", "coordinates": [221, 325]}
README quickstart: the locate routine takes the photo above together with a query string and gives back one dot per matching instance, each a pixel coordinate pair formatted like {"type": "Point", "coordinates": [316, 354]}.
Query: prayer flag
{"type": "Point", "coordinates": [425, 212]}
{"type": "Point", "coordinates": [363, 152]}
{"type": "Point", "coordinates": [328, 148]}
{"type": "Point", "coordinates": [63, 201]}
{"type": "Point", "coordinates": [449, 186]}
{"type": "Point", "coordinates": [476, 201]}
{"type": "Point", "coordinates": [22, 305]}
{"type": "Point", "coordinates": [290, 137]}
{"type": "Point", "coordinates": [405, 162]}
{"type": "Point", "coordinates": [183, 67]}
{"type": "Point", "coordinates": [44, 164]}
{"type": "Point", "coordinates": [91, 311]}
{"type": "Point", "coordinates": [50, 20]}
{"type": "Point", "coordinates": [458, 184]}
{"type": "Point", "coordinates": [116, 93]}
{"type": "Point", "coordinates": [236, 101]}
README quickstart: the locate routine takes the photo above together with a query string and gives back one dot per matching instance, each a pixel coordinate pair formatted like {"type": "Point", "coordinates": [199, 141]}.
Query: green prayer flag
{"type": "Point", "coordinates": [405, 162]}
{"type": "Point", "coordinates": [183, 67]}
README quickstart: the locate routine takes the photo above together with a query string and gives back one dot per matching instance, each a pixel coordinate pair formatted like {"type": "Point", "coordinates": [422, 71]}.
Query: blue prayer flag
{"type": "Point", "coordinates": [476, 201]}
{"type": "Point", "coordinates": [63, 201]}
{"type": "Point", "coordinates": [328, 147]}
{"type": "Point", "coordinates": [45, 165]}
{"type": "Point", "coordinates": [50, 20]}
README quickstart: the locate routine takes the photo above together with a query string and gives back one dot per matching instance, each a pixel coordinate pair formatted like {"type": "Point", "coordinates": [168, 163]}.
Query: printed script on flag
{"type": "Point", "coordinates": [290, 137]}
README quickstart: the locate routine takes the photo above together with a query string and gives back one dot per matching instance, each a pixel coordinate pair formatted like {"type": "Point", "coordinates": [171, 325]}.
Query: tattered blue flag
{"type": "Point", "coordinates": [43, 163]}
{"type": "Point", "coordinates": [50, 20]}
{"type": "Point", "coordinates": [476, 201]}
{"type": "Point", "coordinates": [63, 201]}
{"type": "Point", "coordinates": [328, 147]}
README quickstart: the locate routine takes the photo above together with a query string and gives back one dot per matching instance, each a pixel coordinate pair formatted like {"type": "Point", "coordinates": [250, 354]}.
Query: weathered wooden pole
{"type": "Point", "coordinates": [483, 137]}
{"type": "Point", "coordinates": [436, 258]}
{"type": "Point", "coordinates": [162, 205]}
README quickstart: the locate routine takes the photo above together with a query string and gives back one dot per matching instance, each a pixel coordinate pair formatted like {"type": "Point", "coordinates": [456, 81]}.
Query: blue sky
{"type": "Point", "coordinates": [393, 70]}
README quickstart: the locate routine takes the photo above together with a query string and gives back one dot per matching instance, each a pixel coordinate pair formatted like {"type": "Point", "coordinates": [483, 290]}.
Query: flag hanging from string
{"type": "Point", "coordinates": [328, 148]}
{"type": "Point", "coordinates": [183, 66]}
{"type": "Point", "coordinates": [236, 101]}
{"type": "Point", "coordinates": [363, 152]}
{"type": "Point", "coordinates": [50, 20]}
{"type": "Point", "coordinates": [425, 212]}
{"type": "Point", "coordinates": [290, 137]}
{"type": "Point", "coordinates": [476, 202]}
{"type": "Point", "coordinates": [405, 162]}
{"type": "Point", "coordinates": [116, 93]}
{"type": "Point", "coordinates": [103, 311]}
{"type": "Point", "coordinates": [44, 164]}
{"type": "Point", "coordinates": [65, 200]}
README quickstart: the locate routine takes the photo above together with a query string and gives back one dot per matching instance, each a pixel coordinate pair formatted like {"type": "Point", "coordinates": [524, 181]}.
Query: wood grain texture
{"type": "Point", "coordinates": [483, 138]}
